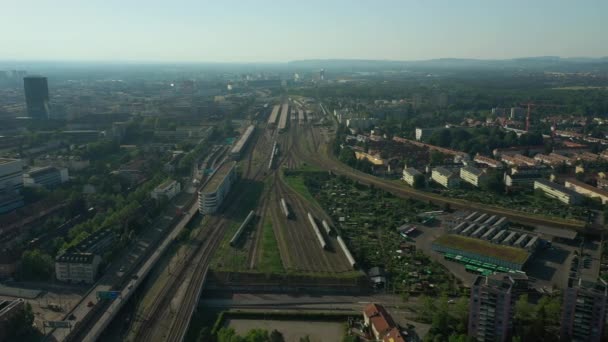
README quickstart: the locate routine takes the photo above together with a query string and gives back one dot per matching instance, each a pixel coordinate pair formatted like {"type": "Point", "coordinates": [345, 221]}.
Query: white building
{"type": "Point", "coordinates": [11, 174]}
{"type": "Point", "coordinates": [168, 188]}
{"type": "Point", "coordinates": [557, 191]}
{"type": "Point", "coordinates": [445, 177]}
{"type": "Point", "coordinates": [77, 267]}
{"type": "Point", "coordinates": [48, 177]}
{"type": "Point", "coordinates": [217, 188]}
{"type": "Point", "coordinates": [410, 174]}
{"type": "Point", "coordinates": [473, 175]}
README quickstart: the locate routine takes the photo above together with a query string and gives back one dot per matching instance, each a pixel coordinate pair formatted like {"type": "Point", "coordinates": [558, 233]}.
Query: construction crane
{"type": "Point", "coordinates": [531, 104]}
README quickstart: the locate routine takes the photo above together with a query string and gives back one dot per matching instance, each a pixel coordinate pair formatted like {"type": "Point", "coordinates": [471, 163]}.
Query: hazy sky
{"type": "Point", "coordinates": [265, 30]}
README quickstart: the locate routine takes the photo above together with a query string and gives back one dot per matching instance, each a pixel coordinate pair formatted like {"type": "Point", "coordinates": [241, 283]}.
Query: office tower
{"type": "Point", "coordinates": [491, 306]}
{"type": "Point", "coordinates": [36, 96]}
{"type": "Point", "coordinates": [584, 310]}
{"type": "Point", "coordinates": [322, 75]}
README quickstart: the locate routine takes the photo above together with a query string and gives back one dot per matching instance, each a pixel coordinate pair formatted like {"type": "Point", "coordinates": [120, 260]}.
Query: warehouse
{"type": "Point", "coordinates": [241, 144]}
{"type": "Point", "coordinates": [482, 251]}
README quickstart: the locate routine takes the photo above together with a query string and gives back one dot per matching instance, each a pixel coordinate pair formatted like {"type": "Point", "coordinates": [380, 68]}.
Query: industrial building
{"type": "Point", "coordinates": [445, 177]}
{"type": "Point", "coordinates": [492, 304]}
{"type": "Point", "coordinates": [167, 189]}
{"type": "Point", "coordinates": [587, 190]}
{"type": "Point", "coordinates": [510, 257]}
{"type": "Point", "coordinates": [36, 97]}
{"type": "Point", "coordinates": [410, 174]}
{"type": "Point", "coordinates": [48, 177]}
{"type": "Point", "coordinates": [11, 174]}
{"type": "Point", "coordinates": [217, 188]}
{"type": "Point", "coordinates": [272, 120]}
{"type": "Point", "coordinates": [284, 117]}
{"type": "Point", "coordinates": [584, 310]}
{"type": "Point", "coordinates": [557, 191]}
{"type": "Point", "coordinates": [241, 144]}
{"type": "Point", "coordinates": [473, 176]}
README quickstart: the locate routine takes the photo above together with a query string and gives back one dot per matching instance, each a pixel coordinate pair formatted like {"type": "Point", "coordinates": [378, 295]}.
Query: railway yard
{"type": "Point", "coordinates": [272, 232]}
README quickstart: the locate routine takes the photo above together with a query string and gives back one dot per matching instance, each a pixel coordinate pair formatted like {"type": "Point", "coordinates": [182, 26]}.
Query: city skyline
{"type": "Point", "coordinates": [254, 32]}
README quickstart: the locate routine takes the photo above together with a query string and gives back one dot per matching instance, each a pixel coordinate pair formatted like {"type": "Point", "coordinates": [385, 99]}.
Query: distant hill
{"type": "Point", "coordinates": [533, 63]}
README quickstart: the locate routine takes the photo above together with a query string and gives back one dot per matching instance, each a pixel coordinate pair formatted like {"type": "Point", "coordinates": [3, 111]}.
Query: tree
{"type": "Point", "coordinates": [204, 335]}
{"type": "Point", "coordinates": [20, 326]}
{"type": "Point", "coordinates": [276, 336]}
{"type": "Point", "coordinates": [36, 265]}
{"type": "Point", "coordinates": [305, 339]}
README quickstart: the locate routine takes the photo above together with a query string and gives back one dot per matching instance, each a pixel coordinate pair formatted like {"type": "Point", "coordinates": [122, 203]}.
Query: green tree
{"type": "Point", "coordinates": [36, 265]}
{"type": "Point", "coordinates": [276, 336]}
{"type": "Point", "coordinates": [20, 326]}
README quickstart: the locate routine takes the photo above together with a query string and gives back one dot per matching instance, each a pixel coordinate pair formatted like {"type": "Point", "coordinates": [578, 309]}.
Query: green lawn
{"type": "Point", "coordinates": [270, 259]}
{"type": "Point", "coordinates": [298, 185]}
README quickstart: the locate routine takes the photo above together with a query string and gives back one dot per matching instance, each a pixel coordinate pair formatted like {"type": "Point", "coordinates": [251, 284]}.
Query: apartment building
{"type": "Point", "coordinates": [217, 188]}
{"type": "Point", "coordinates": [473, 176]}
{"type": "Point", "coordinates": [80, 263]}
{"type": "Point", "coordinates": [492, 304]}
{"type": "Point", "coordinates": [584, 310]}
{"type": "Point", "coordinates": [77, 267]}
{"type": "Point", "coordinates": [48, 177]}
{"type": "Point", "coordinates": [587, 190]}
{"type": "Point", "coordinates": [557, 191]}
{"type": "Point", "coordinates": [483, 160]}
{"type": "Point", "coordinates": [445, 177]}
{"type": "Point", "coordinates": [410, 174]}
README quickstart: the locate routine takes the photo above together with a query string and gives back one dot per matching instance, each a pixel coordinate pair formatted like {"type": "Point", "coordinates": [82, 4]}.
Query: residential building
{"type": "Point", "coordinates": [521, 180]}
{"type": "Point", "coordinates": [557, 191]}
{"type": "Point", "coordinates": [491, 306]}
{"type": "Point", "coordinates": [445, 177]}
{"type": "Point", "coordinates": [360, 123]}
{"type": "Point", "coordinates": [77, 267]}
{"type": "Point", "coordinates": [410, 174]}
{"type": "Point", "coordinates": [518, 160]}
{"type": "Point", "coordinates": [473, 176]}
{"type": "Point", "coordinates": [80, 263]}
{"type": "Point", "coordinates": [36, 97]}
{"type": "Point", "coordinates": [167, 189]}
{"type": "Point", "coordinates": [584, 310]}
{"type": "Point", "coordinates": [217, 188]}
{"type": "Point", "coordinates": [425, 132]}
{"type": "Point", "coordinates": [493, 163]}
{"type": "Point", "coordinates": [381, 324]}
{"type": "Point", "coordinates": [516, 113]}
{"type": "Point", "coordinates": [553, 159]}
{"type": "Point", "coordinates": [48, 177]}
{"type": "Point", "coordinates": [11, 174]}
{"type": "Point", "coordinates": [587, 190]}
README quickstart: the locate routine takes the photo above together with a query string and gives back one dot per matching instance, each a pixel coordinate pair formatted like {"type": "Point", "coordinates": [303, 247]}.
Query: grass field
{"type": "Point", "coordinates": [270, 260]}
{"type": "Point", "coordinates": [481, 247]}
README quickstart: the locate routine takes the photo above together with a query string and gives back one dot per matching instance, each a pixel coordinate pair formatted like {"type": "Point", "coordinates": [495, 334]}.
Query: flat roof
{"type": "Point", "coordinates": [243, 140]}
{"type": "Point", "coordinates": [274, 114]}
{"type": "Point", "coordinates": [217, 177]}
{"type": "Point", "coordinates": [8, 160]}
{"type": "Point", "coordinates": [556, 232]}
{"type": "Point", "coordinates": [482, 247]}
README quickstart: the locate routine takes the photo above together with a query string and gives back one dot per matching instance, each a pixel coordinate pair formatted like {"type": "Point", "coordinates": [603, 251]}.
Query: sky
{"type": "Point", "coordinates": [280, 31]}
